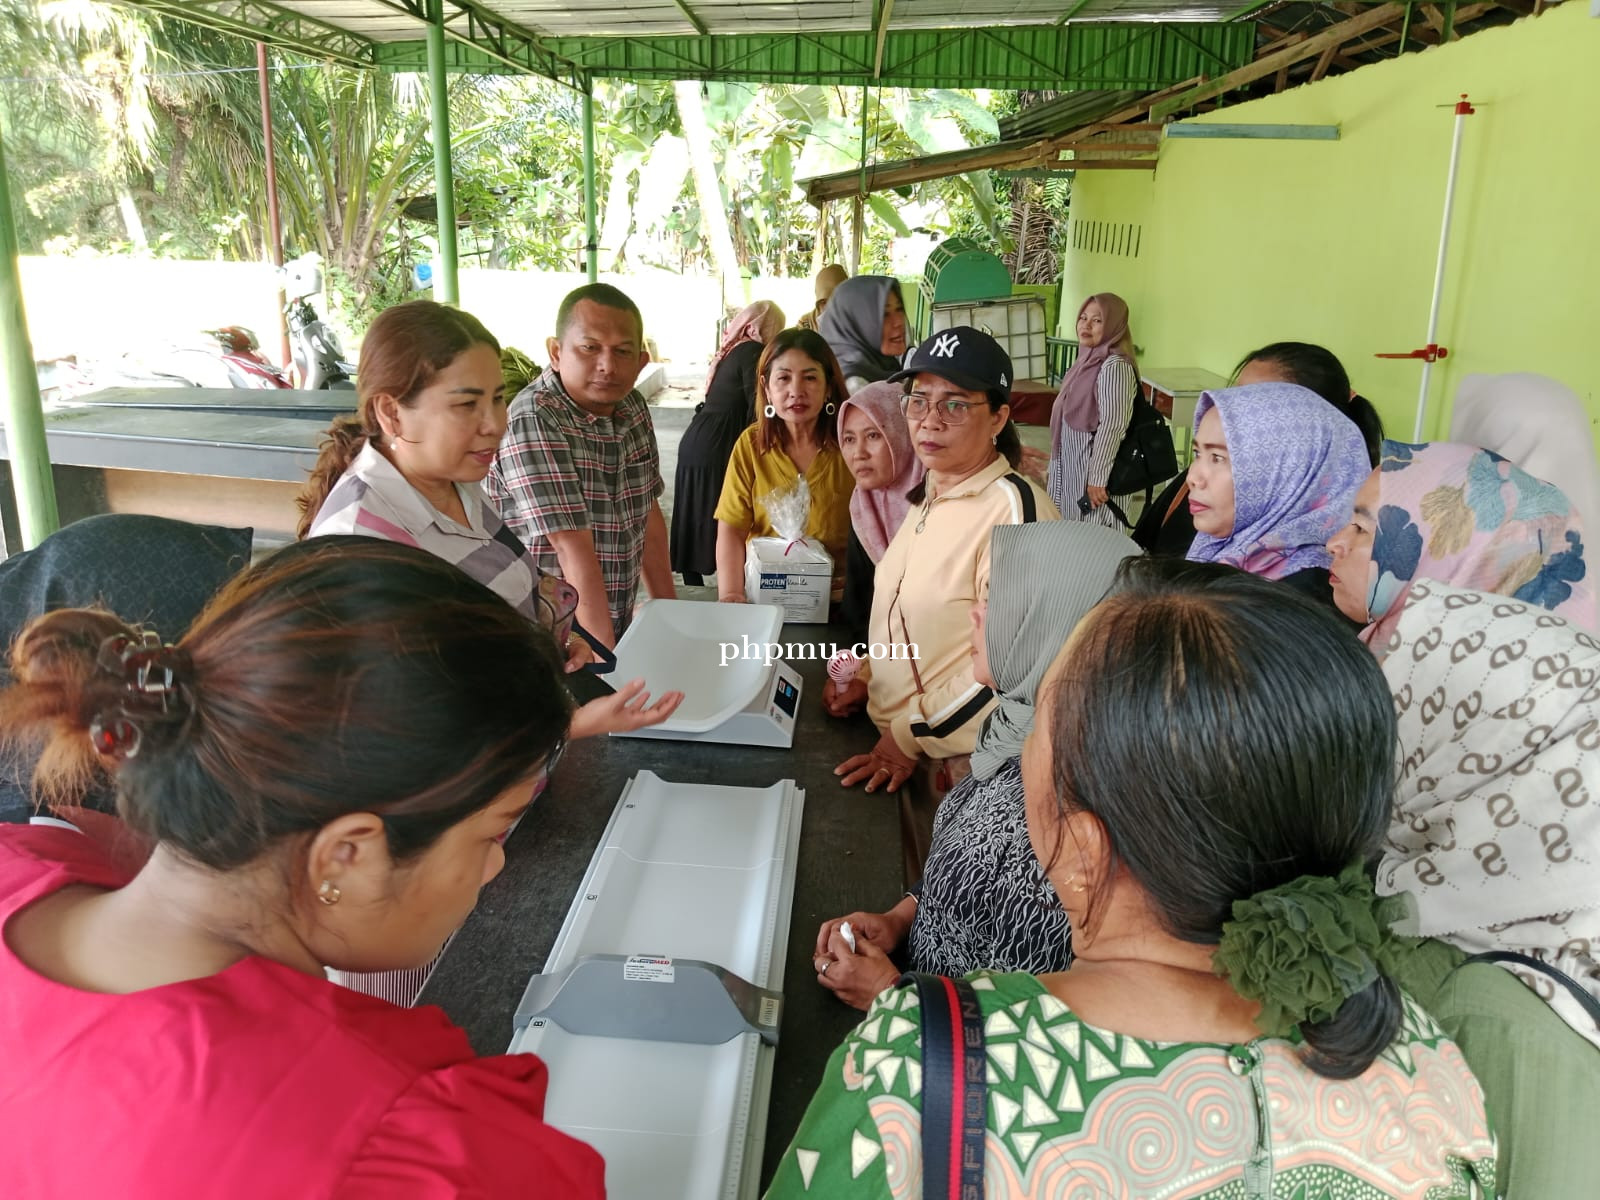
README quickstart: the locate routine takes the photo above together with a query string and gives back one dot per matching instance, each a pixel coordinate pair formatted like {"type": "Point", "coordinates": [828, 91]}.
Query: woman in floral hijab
{"type": "Point", "coordinates": [1461, 516]}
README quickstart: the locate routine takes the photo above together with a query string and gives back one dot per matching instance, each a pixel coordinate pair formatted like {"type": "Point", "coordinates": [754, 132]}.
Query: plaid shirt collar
{"type": "Point", "coordinates": [550, 382]}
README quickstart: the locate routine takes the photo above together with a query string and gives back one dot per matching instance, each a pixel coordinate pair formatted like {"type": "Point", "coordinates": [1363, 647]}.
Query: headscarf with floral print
{"type": "Point", "coordinates": [1469, 518]}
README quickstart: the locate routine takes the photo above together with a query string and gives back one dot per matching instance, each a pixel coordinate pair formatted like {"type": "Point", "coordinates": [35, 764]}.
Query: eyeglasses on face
{"type": "Point", "coordinates": [546, 769]}
{"type": "Point", "coordinates": [953, 412]}
{"type": "Point", "coordinates": [553, 758]}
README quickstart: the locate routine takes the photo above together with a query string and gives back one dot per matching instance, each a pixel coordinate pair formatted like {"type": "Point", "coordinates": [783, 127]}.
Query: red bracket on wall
{"type": "Point", "coordinates": [1463, 109]}
{"type": "Point", "coordinates": [1429, 353]}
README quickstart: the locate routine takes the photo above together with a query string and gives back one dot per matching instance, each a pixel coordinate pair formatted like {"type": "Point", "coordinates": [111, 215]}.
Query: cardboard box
{"type": "Point", "coordinates": [796, 576]}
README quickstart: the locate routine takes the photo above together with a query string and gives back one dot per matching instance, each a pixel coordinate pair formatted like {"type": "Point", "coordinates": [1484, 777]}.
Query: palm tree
{"type": "Point", "coordinates": [352, 148]}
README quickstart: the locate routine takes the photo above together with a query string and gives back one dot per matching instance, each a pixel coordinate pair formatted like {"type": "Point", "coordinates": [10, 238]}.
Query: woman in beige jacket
{"type": "Point", "coordinates": [918, 686]}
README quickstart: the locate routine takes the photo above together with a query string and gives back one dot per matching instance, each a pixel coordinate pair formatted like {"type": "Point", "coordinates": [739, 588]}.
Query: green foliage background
{"type": "Point", "coordinates": [129, 134]}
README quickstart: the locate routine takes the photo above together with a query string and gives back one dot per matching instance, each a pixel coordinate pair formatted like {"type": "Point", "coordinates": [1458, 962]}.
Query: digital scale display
{"type": "Point", "coordinates": [786, 696]}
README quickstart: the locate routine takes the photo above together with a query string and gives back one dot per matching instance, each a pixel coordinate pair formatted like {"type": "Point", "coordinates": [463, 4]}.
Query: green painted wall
{"type": "Point", "coordinates": [1245, 242]}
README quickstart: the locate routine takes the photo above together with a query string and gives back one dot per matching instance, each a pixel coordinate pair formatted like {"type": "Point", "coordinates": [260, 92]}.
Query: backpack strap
{"type": "Point", "coordinates": [1116, 511]}
{"type": "Point", "coordinates": [607, 659]}
{"type": "Point", "coordinates": [1030, 506]}
{"type": "Point", "coordinates": [954, 1087]}
{"type": "Point", "coordinates": [1586, 999]}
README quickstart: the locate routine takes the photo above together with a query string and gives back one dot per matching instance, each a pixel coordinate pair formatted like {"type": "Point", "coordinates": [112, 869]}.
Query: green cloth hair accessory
{"type": "Point", "coordinates": [1302, 949]}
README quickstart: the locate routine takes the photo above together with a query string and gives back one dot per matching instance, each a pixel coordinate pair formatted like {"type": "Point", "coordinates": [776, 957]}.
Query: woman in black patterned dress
{"type": "Point", "coordinates": [983, 900]}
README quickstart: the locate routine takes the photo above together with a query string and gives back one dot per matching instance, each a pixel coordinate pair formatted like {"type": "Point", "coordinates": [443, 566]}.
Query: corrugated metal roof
{"type": "Point", "coordinates": [1072, 44]}
{"type": "Point", "coordinates": [1023, 57]}
{"type": "Point", "coordinates": [1153, 10]}
{"type": "Point", "coordinates": [928, 43]}
{"type": "Point", "coordinates": [386, 21]}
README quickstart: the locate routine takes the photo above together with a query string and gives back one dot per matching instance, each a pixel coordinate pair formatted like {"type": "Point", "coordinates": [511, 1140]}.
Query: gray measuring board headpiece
{"type": "Point", "coordinates": [651, 998]}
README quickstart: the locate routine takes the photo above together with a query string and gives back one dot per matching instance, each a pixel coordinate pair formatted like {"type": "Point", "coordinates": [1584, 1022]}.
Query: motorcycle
{"type": "Point", "coordinates": [225, 358]}
{"type": "Point", "coordinates": [243, 361]}
{"type": "Point", "coordinates": [319, 360]}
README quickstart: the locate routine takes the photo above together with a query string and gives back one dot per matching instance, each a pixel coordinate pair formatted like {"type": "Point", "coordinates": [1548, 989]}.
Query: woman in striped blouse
{"type": "Point", "coordinates": [1092, 410]}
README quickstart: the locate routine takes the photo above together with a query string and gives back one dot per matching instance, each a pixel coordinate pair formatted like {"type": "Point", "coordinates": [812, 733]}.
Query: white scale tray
{"type": "Point", "coordinates": [683, 871]}
{"type": "Point", "coordinates": [677, 645]}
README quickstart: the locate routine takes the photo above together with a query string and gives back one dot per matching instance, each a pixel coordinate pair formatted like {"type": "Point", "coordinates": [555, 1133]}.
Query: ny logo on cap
{"type": "Point", "coordinates": [944, 346]}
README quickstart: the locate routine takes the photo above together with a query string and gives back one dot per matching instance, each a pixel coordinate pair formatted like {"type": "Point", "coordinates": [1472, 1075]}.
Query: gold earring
{"type": "Point", "coordinates": [328, 894]}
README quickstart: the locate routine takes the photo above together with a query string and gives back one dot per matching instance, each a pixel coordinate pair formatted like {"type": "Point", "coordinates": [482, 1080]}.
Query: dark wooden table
{"type": "Point", "coordinates": [849, 859]}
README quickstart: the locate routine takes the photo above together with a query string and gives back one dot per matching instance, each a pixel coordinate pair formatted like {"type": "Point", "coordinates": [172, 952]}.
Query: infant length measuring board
{"type": "Point", "coordinates": [658, 1010]}
{"type": "Point", "coordinates": [738, 697]}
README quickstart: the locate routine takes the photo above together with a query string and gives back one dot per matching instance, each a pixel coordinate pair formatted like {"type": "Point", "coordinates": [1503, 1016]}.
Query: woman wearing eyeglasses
{"type": "Point", "coordinates": [920, 690]}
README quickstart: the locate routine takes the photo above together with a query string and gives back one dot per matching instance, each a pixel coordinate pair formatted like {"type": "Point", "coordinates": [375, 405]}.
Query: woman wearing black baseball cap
{"type": "Point", "coordinates": [920, 689]}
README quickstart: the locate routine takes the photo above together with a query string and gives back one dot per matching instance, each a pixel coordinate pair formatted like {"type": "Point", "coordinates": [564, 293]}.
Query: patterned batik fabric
{"type": "Point", "coordinates": [561, 469]}
{"type": "Point", "coordinates": [1496, 824]}
{"type": "Point", "coordinates": [1471, 519]}
{"type": "Point", "coordinates": [1297, 464]}
{"type": "Point", "coordinates": [984, 901]}
{"type": "Point", "coordinates": [1080, 1113]}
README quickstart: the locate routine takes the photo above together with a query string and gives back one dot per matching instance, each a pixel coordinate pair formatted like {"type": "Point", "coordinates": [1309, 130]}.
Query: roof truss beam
{"type": "Point", "coordinates": [689, 16]}
{"type": "Point", "coordinates": [1035, 153]}
{"type": "Point", "coordinates": [1329, 39]}
{"type": "Point", "coordinates": [265, 22]}
{"type": "Point", "coordinates": [1419, 34]}
{"type": "Point", "coordinates": [508, 45]}
{"type": "Point", "coordinates": [1098, 56]}
{"type": "Point", "coordinates": [880, 30]}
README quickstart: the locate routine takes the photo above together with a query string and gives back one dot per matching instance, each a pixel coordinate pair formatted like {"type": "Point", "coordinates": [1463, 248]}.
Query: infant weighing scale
{"type": "Point", "coordinates": [658, 1009]}
{"type": "Point", "coordinates": [680, 646]}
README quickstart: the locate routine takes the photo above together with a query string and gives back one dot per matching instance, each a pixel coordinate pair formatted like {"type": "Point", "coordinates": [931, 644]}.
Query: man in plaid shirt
{"type": "Point", "coordinates": [578, 474]}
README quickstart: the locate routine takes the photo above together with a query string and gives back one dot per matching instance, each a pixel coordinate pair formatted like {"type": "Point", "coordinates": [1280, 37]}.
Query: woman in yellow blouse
{"type": "Point", "coordinates": [799, 388]}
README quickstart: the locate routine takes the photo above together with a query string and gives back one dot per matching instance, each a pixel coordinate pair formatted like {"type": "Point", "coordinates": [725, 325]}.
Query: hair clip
{"type": "Point", "coordinates": [146, 664]}
{"type": "Point", "coordinates": [115, 737]}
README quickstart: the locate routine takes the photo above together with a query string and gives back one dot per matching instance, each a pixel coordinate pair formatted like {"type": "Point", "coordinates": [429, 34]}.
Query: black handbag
{"type": "Point", "coordinates": [1146, 458]}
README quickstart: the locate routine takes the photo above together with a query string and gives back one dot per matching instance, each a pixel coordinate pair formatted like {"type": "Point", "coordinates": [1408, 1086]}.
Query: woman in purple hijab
{"type": "Point", "coordinates": [1275, 473]}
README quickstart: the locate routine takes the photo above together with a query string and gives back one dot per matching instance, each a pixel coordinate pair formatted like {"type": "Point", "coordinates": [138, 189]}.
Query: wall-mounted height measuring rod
{"type": "Point", "coordinates": [1431, 352]}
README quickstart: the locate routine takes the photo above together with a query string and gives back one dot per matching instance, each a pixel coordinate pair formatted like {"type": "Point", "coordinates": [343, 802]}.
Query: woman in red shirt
{"type": "Point", "coordinates": [325, 766]}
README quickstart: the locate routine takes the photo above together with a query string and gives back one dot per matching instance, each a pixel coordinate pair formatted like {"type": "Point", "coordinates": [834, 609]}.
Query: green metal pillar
{"type": "Point", "coordinates": [858, 224]}
{"type": "Point", "coordinates": [446, 287]}
{"type": "Point", "coordinates": [24, 412]}
{"type": "Point", "coordinates": [591, 213]}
